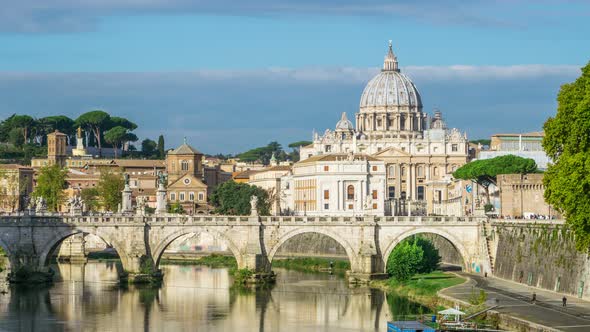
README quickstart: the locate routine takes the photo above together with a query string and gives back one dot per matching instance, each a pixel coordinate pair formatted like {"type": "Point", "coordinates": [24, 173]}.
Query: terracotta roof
{"type": "Point", "coordinates": [184, 149]}
{"type": "Point", "coordinates": [140, 163]}
{"type": "Point", "coordinates": [276, 168]}
{"type": "Point", "coordinates": [14, 166]}
{"type": "Point", "coordinates": [337, 157]}
{"type": "Point", "coordinates": [244, 174]}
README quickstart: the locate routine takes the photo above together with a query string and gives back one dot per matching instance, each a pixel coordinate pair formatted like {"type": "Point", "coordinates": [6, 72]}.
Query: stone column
{"type": "Point", "coordinates": [409, 188]}
{"type": "Point", "coordinates": [161, 199]}
{"type": "Point", "coordinates": [126, 205]}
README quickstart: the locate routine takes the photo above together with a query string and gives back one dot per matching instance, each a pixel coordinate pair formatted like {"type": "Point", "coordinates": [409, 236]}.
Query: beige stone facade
{"type": "Point", "coordinates": [521, 196]}
{"type": "Point", "coordinates": [16, 184]}
{"type": "Point", "coordinates": [419, 151]}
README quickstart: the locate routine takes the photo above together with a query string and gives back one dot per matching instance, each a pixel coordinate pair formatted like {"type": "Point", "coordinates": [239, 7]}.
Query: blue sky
{"type": "Point", "coordinates": [232, 75]}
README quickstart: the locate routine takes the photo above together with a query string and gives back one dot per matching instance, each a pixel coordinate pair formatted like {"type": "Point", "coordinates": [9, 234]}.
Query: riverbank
{"type": "Point", "coordinates": [213, 260]}
{"type": "Point", "coordinates": [422, 288]}
{"type": "Point", "coordinates": [308, 264]}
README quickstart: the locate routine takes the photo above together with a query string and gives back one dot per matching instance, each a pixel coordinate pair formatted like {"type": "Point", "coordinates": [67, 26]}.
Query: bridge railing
{"type": "Point", "coordinates": [134, 218]}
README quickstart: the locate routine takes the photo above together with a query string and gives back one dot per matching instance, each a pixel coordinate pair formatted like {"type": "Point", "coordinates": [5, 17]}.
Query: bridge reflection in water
{"type": "Point", "coordinates": [194, 298]}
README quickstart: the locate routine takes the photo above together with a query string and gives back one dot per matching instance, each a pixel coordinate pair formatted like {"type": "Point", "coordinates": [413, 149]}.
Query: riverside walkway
{"type": "Point", "coordinates": [515, 300]}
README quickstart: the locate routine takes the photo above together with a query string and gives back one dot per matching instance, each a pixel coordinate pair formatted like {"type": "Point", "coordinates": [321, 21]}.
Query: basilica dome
{"type": "Point", "coordinates": [390, 89]}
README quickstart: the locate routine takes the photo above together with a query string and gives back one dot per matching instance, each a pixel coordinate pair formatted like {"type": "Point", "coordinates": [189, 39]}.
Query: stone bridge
{"type": "Point", "coordinates": [29, 240]}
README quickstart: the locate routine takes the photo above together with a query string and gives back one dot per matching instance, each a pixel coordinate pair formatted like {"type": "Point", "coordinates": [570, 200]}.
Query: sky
{"type": "Point", "coordinates": [231, 75]}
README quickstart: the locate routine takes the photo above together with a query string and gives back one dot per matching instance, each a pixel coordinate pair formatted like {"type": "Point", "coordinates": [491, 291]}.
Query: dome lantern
{"type": "Point", "coordinates": [390, 62]}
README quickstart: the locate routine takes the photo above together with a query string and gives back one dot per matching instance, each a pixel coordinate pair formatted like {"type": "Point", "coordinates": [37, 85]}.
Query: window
{"type": "Point", "coordinates": [454, 148]}
{"type": "Point", "coordinates": [326, 206]}
{"type": "Point", "coordinates": [350, 206]}
{"type": "Point", "coordinates": [328, 148]}
{"type": "Point", "coordinates": [420, 193]}
{"type": "Point", "coordinates": [374, 206]}
{"type": "Point", "coordinates": [435, 171]}
{"type": "Point", "coordinates": [191, 196]}
{"type": "Point", "coordinates": [184, 165]}
{"type": "Point", "coordinates": [403, 171]}
{"type": "Point", "coordinates": [420, 171]}
{"type": "Point", "coordinates": [201, 196]}
{"type": "Point", "coordinates": [374, 194]}
{"type": "Point", "coordinates": [350, 192]}
{"type": "Point", "coordinates": [172, 196]}
{"type": "Point", "coordinates": [326, 194]}
{"type": "Point", "coordinates": [379, 123]}
{"type": "Point", "coordinates": [374, 168]}
{"type": "Point", "coordinates": [391, 192]}
{"type": "Point", "coordinates": [403, 195]}
{"type": "Point", "coordinates": [326, 168]}
{"type": "Point", "coordinates": [181, 197]}
{"type": "Point", "coordinates": [391, 171]}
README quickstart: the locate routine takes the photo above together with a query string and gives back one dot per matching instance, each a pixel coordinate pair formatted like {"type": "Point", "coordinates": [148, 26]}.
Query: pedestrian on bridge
{"type": "Point", "coordinates": [564, 301]}
{"type": "Point", "coordinates": [534, 298]}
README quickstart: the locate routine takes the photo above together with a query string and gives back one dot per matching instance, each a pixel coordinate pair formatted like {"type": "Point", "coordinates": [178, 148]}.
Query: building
{"type": "Point", "coordinates": [185, 179]}
{"type": "Point", "coordinates": [336, 184]}
{"type": "Point", "coordinates": [56, 148]}
{"type": "Point", "coordinates": [269, 179]}
{"type": "Point", "coordinates": [522, 196]}
{"type": "Point", "coordinates": [16, 185]}
{"type": "Point", "coordinates": [526, 145]}
{"type": "Point", "coordinates": [420, 153]}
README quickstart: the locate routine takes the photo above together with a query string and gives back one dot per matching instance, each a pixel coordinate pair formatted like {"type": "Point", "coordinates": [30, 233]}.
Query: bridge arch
{"type": "Point", "coordinates": [455, 242]}
{"type": "Point", "coordinates": [57, 238]}
{"type": "Point", "coordinates": [303, 230]}
{"type": "Point", "coordinates": [161, 246]}
{"type": "Point", "coordinates": [9, 255]}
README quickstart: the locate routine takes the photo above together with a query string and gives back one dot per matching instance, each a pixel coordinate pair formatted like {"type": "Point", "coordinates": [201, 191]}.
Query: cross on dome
{"type": "Point", "coordinates": [390, 63]}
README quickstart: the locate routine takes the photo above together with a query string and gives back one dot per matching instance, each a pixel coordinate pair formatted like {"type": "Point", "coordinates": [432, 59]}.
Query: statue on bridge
{"type": "Point", "coordinates": [76, 205]}
{"type": "Point", "coordinates": [254, 205]}
{"type": "Point", "coordinates": [162, 179]}
{"type": "Point", "coordinates": [40, 204]}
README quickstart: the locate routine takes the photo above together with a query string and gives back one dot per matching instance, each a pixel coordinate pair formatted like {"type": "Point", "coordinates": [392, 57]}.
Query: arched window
{"type": "Point", "coordinates": [184, 165]}
{"type": "Point", "coordinates": [391, 171]}
{"type": "Point", "coordinates": [420, 171]}
{"type": "Point", "coordinates": [350, 192]}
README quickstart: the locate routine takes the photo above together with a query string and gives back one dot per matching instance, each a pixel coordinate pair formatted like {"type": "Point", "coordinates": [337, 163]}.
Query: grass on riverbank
{"type": "Point", "coordinates": [309, 264]}
{"type": "Point", "coordinates": [213, 260]}
{"type": "Point", "coordinates": [422, 287]}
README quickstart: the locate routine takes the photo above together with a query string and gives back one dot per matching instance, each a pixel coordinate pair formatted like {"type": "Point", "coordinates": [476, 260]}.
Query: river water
{"type": "Point", "coordinates": [86, 297]}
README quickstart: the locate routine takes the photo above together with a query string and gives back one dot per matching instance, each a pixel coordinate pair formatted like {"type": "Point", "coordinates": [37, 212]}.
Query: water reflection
{"type": "Point", "coordinates": [87, 297]}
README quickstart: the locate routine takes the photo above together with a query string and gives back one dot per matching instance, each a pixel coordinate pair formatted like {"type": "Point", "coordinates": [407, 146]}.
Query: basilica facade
{"type": "Point", "coordinates": [419, 152]}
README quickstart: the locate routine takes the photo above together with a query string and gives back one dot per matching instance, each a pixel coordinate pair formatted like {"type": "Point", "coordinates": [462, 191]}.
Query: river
{"type": "Point", "coordinates": [86, 297]}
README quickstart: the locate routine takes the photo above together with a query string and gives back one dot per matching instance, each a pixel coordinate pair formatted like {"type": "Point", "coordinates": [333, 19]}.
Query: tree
{"type": "Point", "coordinates": [148, 147]}
{"type": "Point", "coordinates": [484, 172]}
{"type": "Point", "coordinates": [50, 124]}
{"type": "Point", "coordinates": [413, 255]}
{"type": "Point", "coordinates": [25, 123]}
{"type": "Point", "coordinates": [264, 153]}
{"type": "Point", "coordinates": [161, 149]}
{"type": "Point", "coordinates": [176, 208]}
{"type": "Point", "coordinates": [430, 258]}
{"type": "Point", "coordinates": [90, 196]}
{"type": "Point", "coordinates": [296, 147]}
{"type": "Point", "coordinates": [117, 136]}
{"type": "Point", "coordinates": [232, 198]}
{"type": "Point", "coordinates": [404, 260]}
{"type": "Point", "coordinates": [122, 122]}
{"type": "Point", "coordinates": [51, 182]}
{"type": "Point", "coordinates": [110, 186]}
{"type": "Point", "coordinates": [482, 141]}
{"type": "Point", "coordinates": [96, 122]}
{"type": "Point", "coordinates": [567, 143]}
